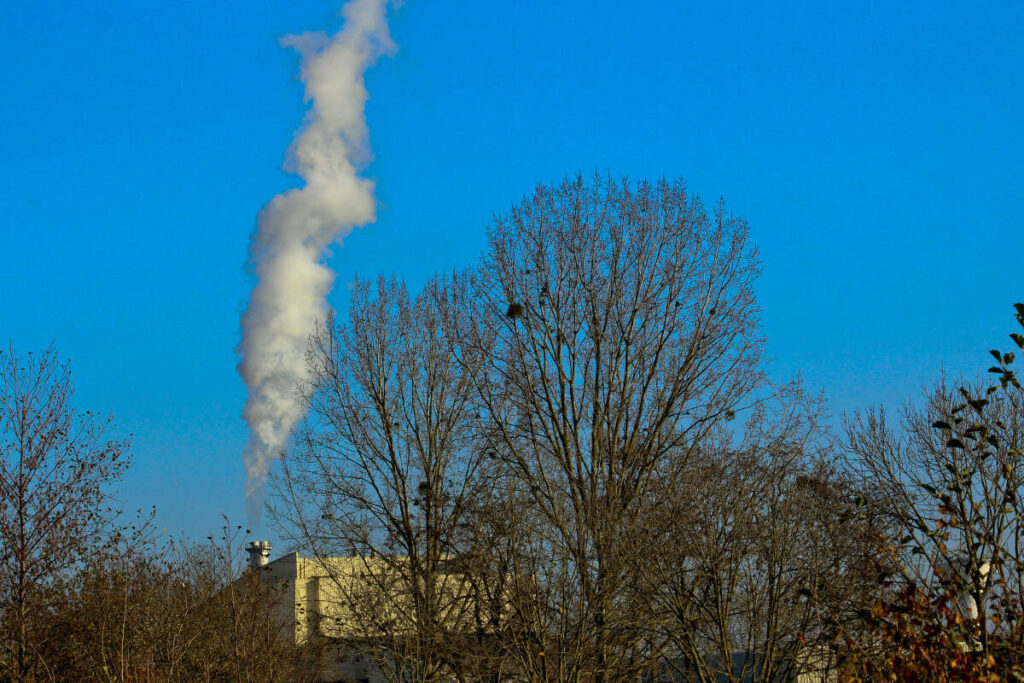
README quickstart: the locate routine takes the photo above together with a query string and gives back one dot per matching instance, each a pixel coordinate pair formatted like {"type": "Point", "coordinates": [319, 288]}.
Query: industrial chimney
{"type": "Point", "coordinates": [259, 554]}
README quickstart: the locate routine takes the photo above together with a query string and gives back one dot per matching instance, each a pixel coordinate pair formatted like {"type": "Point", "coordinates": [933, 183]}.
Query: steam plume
{"type": "Point", "coordinates": [295, 229]}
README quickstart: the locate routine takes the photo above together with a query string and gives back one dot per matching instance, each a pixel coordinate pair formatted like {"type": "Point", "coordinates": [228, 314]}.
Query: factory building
{"type": "Point", "coordinates": [346, 608]}
{"type": "Point", "coordinates": [349, 610]}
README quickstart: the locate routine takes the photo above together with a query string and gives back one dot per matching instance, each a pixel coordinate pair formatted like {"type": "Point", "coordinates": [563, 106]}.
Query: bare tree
{"type": "Point", "coordinates": [619, 328]}
{"type": "Point", "coordinates": [55, 465]}
{"type": "Point", "coordinates": [385, 472]}
{"type": "Point", "coordinates": [175, 612]}
{"type": "Point", "coordinates": [753, 567]}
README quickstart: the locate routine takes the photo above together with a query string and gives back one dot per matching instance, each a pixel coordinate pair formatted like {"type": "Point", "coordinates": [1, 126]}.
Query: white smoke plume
{"type": "Point", "coordinates": [295, 229]}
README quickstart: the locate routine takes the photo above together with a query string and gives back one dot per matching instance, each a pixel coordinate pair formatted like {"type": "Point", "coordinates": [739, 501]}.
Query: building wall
{"type": "Point", "coordinates": [345, 605]}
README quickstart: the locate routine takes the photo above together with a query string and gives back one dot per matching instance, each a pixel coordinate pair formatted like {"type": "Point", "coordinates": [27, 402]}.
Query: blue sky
{"type": "Point", "coordinates": [875, 148]}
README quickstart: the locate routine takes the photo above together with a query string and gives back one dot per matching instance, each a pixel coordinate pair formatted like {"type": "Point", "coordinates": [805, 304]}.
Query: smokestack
{"type": "Point", "coordinates": [259, 554]}
{"type": "Point", "coordinates": [295, 229]}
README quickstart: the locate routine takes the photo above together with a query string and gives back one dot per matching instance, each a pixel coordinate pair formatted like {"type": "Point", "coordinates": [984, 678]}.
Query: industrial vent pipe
{"type": "Point", "coordinates": [259, 554]}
